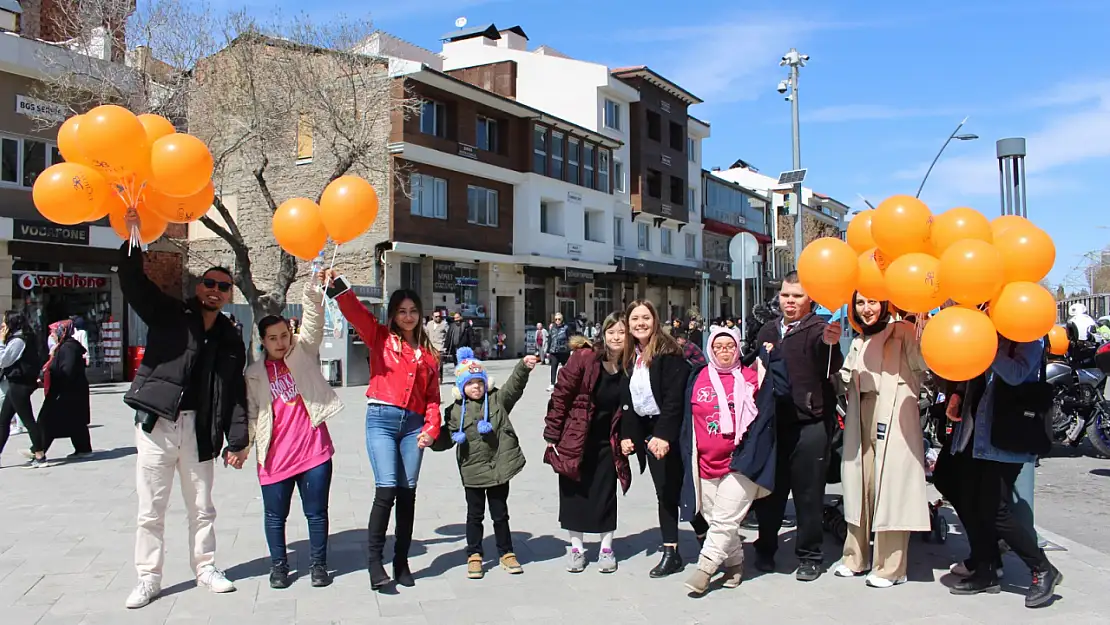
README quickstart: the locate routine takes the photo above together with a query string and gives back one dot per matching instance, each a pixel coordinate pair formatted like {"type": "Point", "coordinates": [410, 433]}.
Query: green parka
{"type": "Point", "coordinates": [495, 458]}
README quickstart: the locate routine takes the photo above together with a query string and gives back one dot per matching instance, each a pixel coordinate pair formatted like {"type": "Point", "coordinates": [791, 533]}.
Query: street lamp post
{"type": "Point", "coordinates": [795, 61]}
{"type": "Point", "coordinates": [955, 135]}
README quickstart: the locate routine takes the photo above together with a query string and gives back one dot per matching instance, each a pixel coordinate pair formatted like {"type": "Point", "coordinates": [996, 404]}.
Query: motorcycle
{"type": "Point", "coordinates": [1079, 405]}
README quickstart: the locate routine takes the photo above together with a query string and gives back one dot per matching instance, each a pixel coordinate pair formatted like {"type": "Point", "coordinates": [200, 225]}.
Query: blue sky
{"type": "Point", "coordinates": [887, 83]}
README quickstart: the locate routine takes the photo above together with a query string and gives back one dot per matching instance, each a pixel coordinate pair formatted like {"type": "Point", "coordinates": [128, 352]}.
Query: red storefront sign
{"type": "Point", "coordinates": [69, 281]}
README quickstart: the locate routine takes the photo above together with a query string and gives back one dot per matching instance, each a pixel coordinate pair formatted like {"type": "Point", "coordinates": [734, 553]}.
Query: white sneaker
{"type": "Point", "coordinates": [143, 594]}
{"type": "Point", "coordinates": [875, 581]}
{"type": "Point", "coordinates": [214, 579]}
{"type": "Point", "coordinates": [842, 570]}
{"type": "Point", "coordinates": [550, 388]}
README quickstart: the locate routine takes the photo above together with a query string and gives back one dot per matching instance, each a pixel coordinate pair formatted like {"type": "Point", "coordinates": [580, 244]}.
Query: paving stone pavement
{"type": "Point", "coordinates": [66, 541]}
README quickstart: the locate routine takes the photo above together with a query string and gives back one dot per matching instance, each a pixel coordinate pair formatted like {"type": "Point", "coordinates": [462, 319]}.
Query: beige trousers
{"type": "Point", "coordinates": [172, 448]}
{"type": "Point", "coordinates": [889, 559]}
{"type": "Point", "coordinates": [724, 503]}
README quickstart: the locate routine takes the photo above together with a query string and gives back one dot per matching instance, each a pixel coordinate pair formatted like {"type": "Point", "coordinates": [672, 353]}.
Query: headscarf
{"type": "Point", "coordinates": [737, 416]}
{"type": "Point", "coordinates": [880, 323]}
{"type": "Point", "coordinates": [59, 332]}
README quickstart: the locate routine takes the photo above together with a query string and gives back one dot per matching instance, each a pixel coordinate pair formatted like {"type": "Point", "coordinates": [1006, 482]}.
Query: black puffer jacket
{"type": "Point", "coordinates": [176, 333]}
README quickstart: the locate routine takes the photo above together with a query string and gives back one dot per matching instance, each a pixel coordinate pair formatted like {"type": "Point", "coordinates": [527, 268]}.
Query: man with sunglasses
{"type": "Point", "coordinates": [189, 395]}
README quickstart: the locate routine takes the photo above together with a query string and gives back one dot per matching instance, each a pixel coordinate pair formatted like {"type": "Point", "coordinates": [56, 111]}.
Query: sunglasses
{"type": "Point", "coordinates": [209, 283]}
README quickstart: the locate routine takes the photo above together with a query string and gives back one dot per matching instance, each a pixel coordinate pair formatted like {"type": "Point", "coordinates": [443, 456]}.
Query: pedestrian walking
{"type": "Point", "coordinates": [21, 367]}
{"type": "Point", "coordinates": [289, 401]}
{"type": "Point", "coordinates": [583, 434]}
{"type": "Point", "coordinates": [488, 453]}
{"type": "Point", "coordinates": [188, 395]}
{"type": "Point", "coordinates": [436, 329]}
{"type": "Point", "coordinates": [402, 416]}
{"type": "Point", "coordinates": [558, 347]}
{"type": "Point", "coordinates": [65, 410]}
{"type": "Point", "coordinates": [541, 342]}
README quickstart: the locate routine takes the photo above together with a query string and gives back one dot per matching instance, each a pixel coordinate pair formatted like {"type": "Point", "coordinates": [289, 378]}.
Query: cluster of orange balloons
{"type": "Point", "coordinates": [116, 160]}
{"type": "Point", "coordinates": [348, 206]}
{"type": "Point", "coordinates": [900, 252]}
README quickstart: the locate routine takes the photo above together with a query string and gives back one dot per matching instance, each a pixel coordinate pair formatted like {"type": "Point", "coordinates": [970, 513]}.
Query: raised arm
{"type": "Point", "coordinates": [511, 392]}
{"type": "Point", "coordinates": [312, 317]}
{"type": "Point", "coordinates": [363, 321]}
{"type": "Point", "coordinates": [149, 301]}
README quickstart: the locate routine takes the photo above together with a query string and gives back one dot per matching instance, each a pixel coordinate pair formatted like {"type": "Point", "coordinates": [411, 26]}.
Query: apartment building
{"type": "Point", "coordinates": [731, 209]}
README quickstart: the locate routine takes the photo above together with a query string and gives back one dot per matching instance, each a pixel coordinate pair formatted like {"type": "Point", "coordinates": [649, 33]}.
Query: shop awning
{"type": "Point", "coordinates": [452, 253]}
{"type": "Point", "coordinates": [650, 267]}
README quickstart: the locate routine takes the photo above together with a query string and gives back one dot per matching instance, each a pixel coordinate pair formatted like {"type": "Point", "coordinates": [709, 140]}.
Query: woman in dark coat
{"type": "Point", "coordinates": [582, 430]}
{"type": "Point", "coordinates": [65, 411]}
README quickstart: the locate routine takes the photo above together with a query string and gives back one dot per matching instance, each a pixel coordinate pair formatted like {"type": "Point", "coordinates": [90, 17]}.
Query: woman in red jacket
{"type": "Point", "coordinates": [402, 416]}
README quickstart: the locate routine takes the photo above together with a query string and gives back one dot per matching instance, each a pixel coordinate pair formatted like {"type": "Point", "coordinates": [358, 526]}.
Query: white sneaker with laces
{"type": "Point", "coordinates": [214, 579]}
{"type": "Point", "coordinates": [875, 581]}
{"type": "Point", "coordinates": [842, 570]}
{"type": "Point", "coordinates": [143, 594]}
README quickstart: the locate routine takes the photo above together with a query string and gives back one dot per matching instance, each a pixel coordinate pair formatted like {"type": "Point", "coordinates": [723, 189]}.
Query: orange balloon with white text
{"type": "Point", "coordinates": [901, 225]}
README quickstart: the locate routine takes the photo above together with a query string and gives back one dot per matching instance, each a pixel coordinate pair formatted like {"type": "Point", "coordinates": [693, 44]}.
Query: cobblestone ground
{"type": "Point", "coordinates": [66, 540]}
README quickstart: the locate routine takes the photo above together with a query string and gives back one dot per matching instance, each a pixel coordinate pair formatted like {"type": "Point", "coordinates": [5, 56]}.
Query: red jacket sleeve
{"type": "Point", "coordinates": [364, 322]}
{"type": "Point", "coordinates": [562, 398]}
{"type": "Point", "coordinates": [432, 418]}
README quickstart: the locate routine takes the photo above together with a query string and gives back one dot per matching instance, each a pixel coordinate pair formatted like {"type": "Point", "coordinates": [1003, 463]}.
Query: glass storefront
{"type": "Point", "coordinates": [535, 301]}
{"type": "Point", "coordinates": [566, 299]}
{"type": "Point", "coordinates": [603, 303]}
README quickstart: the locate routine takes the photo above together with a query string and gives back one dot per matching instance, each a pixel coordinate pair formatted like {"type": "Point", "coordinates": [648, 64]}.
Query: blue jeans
{"type": "Point", "coordinates": [314, 485]}
{"type": "Point", "coordinates": [1022, 503]}
{"type": "Point", "coordinates": [391, 444]}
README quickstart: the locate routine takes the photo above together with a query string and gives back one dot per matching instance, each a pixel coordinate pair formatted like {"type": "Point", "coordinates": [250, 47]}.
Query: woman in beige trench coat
{"type": "Point", "coordinates": [883, 474]}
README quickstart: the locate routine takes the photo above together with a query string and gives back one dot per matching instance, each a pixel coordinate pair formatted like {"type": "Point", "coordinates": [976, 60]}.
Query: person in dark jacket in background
{"type": "Point", "coordinates": [65, 411]}
{"type": "Point", "coordinates": [803, 353]}
{"type": "Point", "coordinates": [694, 334]}
{"type": "Point", "coordinates": [558, 347]}
{"type": "Point", "coordinates": [189, 394]}
{"type": "Point", "coordinates": [19, 367]}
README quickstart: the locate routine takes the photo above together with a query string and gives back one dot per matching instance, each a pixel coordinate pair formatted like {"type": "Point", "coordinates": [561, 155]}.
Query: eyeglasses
{"type": "Point", "coordinates": [724, 348]}
{"type": "Point", "coordinates": [209, 283]}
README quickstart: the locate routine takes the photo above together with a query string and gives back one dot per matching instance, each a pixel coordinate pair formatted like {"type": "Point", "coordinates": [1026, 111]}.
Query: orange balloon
{"type": "Point", "coordinates": [913, 283]}
{"type": "Point", "coordinates": [882, 259]}
{"type": "Point", "coordinates": [113, 139]}
{"type": "Point", "coordinates": [67, 193]}
{"type": "Point", "coordinates": [901, 225]}
{"type": "Point", "coordinates": [872, 283]}
{"type": "Point", "coordinates": [1023, 312]}
{"type": "Point", "coordinates": [1005, 222]}
{"type": "Point", "coordinates": [957, 224]}
{"type": "Point", "coordinates": [68, 142]}
{"type": "Point", "coordinates": [828, 270]}
{"type": "Point", "coordinates": [959, 343]}
{"type": "Point", "coordinates": [299, 228]}
{"type": "Point", "coordinates": [859, 232]}
{"type": "Point", "coordinates": [155, 126]}
{"type": "Point", "coordinates": [180, 165]}
{"type": "Point", "coordinates": [348, 206]}
{"type": "Point", "coordinates": [151, 225]}
{"type": "Point", "coordinates": [180, 210]}
{"type": "Point", "coordinates": [1058, 341]}
{"type": "Point", "coordinates": [1028, 253]}
{"type": "Point", "coordinates": [971, 271]}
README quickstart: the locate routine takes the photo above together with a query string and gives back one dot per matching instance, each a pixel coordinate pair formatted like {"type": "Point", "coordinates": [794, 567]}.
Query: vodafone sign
{"type": "Point", "coordinates": [29, 281]}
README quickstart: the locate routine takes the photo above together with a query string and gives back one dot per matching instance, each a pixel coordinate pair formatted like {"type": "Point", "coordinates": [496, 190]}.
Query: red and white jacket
{"type": "Point", "coordinates": [398, 375]}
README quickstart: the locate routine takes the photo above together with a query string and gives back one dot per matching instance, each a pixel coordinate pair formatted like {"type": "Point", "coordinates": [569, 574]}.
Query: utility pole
{"type": "Point", "coordinates": [795, 61]}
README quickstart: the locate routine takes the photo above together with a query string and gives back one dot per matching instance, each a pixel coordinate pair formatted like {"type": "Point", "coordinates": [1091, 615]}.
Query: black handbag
{"type": "Point", "coordinates": [1022, 415]}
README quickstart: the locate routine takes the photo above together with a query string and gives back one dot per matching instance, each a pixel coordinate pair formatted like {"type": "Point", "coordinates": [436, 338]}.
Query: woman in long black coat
{"type": "Point", "coordinates": [65, 411]}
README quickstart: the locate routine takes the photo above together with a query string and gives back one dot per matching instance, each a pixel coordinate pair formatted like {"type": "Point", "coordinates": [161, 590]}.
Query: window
{"type": "Point", "coordinates": [551, 218]}
{"type": "Point", "coordinates": [691, 245]}
{"type": "Point", "coordinates": [666, 238]}
{"type": "Point", "coordinates": [677, 137]}
{"type": "Point", "coordinates": [692, 149]}
{"type": "Point", "coordinates": [410, 276]}
{"type": "Point", "coordinates": [603, 170]}
{"type": "Point", "coordinates": [612, 115]}
{"type": "Point", "coordinates": [22, 160]}
{"type": "Point", "coordinates": [591, 226]}
{"type": "Point", "coordinates": [654, 126]}
{"type": "Point", "coordinates": [588, 165]}
{"type": "Point", "coordinates": [643, 237]}
{"type": "Point", "coordinates": [655, 183]}
{"type": "Point", "coordinates": [429, 196]}
{"type": "Point", "coordinates": [539, 149]}
{"type": "Point", "coordinates": [618, 176]}
{"type": "Point", "coordinates": [433, 118]}
{"type": "Point", "coordinates": [304, 139]}
{"type": "Point", "coordinates": [691, 199]}
{"type": "Point", "coordinates": [678, 190]}
{"type": "Point", "coordinates": [481, 204]}
{"type": "Point", "coordinates": [487, 135]}
{"type": "Point", "coordinates": [618, 232]}
{"type": "Point", "coordinates": [573, 151]}
{"type": "Point", "coordinates": [557, 144]}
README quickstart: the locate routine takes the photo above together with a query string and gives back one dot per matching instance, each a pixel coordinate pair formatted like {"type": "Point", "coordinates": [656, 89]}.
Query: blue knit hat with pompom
{"type": "Point", "coordinates": [470, 368]}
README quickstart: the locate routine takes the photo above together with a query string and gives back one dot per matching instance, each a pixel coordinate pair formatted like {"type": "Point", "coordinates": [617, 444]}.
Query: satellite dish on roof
{"type": "Point", "coordinates": [459, 23]}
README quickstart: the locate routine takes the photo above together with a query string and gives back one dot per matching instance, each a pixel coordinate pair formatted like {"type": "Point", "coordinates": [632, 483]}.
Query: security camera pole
{"type": "Point", "coordinates": [796, 61]}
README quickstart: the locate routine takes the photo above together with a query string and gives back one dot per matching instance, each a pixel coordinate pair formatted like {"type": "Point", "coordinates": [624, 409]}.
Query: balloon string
{"type": "Point", "coordinates": [334, 253]}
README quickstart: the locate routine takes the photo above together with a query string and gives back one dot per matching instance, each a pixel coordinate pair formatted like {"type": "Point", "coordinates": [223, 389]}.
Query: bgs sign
{"type": "Point", "coordinates": [40, 109]}
{"type": "Point", "coordinates": [43, 232]}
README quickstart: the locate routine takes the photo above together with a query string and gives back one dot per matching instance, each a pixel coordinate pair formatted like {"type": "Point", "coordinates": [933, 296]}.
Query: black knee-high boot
{"type": "Point", "coordinates": [406, 513]}
{"type": "Point", "coordinates": [375, 535]}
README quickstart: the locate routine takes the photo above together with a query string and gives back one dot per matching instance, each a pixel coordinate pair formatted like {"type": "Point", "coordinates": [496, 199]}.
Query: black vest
{"type": "Point", "coordinates": [27, 369]}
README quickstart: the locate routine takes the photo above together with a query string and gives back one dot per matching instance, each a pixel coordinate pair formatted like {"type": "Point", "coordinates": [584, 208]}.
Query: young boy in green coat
{"type": "Point", "coordinates": [488, 452]}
